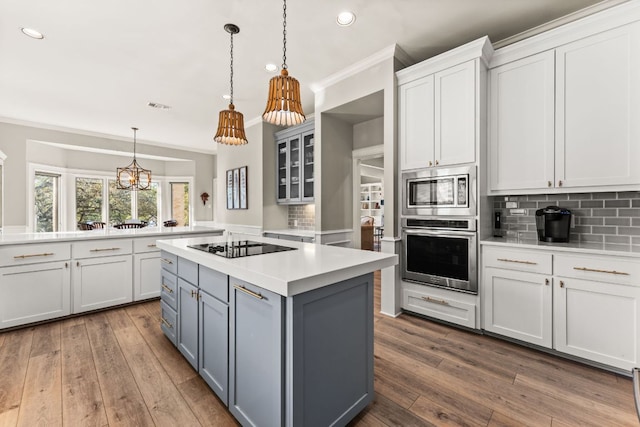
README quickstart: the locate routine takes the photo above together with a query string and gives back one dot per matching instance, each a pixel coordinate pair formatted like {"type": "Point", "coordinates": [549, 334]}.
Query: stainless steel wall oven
{"type": "Point", "coordinates": [440, 252]}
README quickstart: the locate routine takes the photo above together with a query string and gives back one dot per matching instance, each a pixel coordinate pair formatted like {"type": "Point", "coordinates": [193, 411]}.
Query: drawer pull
{"type": "Point", "coordinates": [593, 270]}
{"type": "Point", "coordinates": [517, 261]}
{"type": "Point", "coordinates": [561, 283]}
{"type": "Point", "coordinates": [166, 288]}
{"type": "Point", "coordinates": [166, 323]}
{"type": "Point", "coordinates": [166, 261]}
{"type": "Point", "coordinates": [248, 291]}
{"type": "Point", "coordinates": [194, 294]}
{"type": "Point", "coordinates": [32, 255]}
{"type": "Point", "coordinates": [104, 249]}
{"type": "Point", "coordinates": [152, 245]}
{"type": "Point", "coordinates": [436, 301]}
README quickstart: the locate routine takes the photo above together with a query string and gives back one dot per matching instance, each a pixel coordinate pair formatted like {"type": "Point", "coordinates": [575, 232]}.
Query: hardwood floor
{"type": "Point", "coordinates": [115, 368]}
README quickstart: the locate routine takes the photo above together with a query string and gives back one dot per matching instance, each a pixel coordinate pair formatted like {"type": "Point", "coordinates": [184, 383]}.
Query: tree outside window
{"type": "Point", "coordinates": [46, 198]}
{"type": "Point", "coordinates": [148, 204]}
{"type": "Point", "coordinates": [119, 204]}
{"type": "Point", "coordinates": [89, 199]}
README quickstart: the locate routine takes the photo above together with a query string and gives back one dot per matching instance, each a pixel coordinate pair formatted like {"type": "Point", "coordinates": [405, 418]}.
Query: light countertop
{"type": "Point", "coordinates": [107, 233]}
{"type": "Point", "coordinates": [288, 273]}
{"type": "Point", "coordinates": [583, 247]}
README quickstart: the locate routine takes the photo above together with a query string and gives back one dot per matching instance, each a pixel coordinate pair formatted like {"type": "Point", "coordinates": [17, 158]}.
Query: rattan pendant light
{"type": "Point", "coordinates": [133, 176]}
{"type": "Point", "coordinates": [284, 106]}
{"type": "Point", "coordinates": [231, 122]}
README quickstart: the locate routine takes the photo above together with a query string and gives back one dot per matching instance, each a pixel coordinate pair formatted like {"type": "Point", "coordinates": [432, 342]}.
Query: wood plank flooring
{"type": "Point", "coordinates": [115, 368]}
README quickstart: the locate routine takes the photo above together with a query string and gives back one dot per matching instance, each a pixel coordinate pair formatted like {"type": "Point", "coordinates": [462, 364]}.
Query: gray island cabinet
{"type": "Point", "coordinates": [278, 358]}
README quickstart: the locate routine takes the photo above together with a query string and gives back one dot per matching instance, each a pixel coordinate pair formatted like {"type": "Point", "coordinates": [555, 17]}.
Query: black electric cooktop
{"type": "Point", "coordinates": [240, 248]}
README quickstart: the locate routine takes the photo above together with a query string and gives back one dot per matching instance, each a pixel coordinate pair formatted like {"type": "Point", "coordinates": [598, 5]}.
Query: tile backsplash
{"type": "Point", "coordinates": [612, 218]}
{"type": "Point", "coordinates": [302, 217]}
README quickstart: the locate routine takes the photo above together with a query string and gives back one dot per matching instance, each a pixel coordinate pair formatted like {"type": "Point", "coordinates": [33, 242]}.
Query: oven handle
{"type": "Point", "coordinates": [436, 232]}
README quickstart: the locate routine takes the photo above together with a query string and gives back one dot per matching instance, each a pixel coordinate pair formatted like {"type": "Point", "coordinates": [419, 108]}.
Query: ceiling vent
{"type": "Point", "coordinates": [158, 106]}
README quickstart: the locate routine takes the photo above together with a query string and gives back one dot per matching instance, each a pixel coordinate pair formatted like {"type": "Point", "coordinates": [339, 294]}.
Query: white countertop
{"type": "Point", "coordinates": [293, 232]}
{"type": "Point", "coordinates": [588, 248]}
{"type": "Point", "coordinates": [288, 273]}
{"type": "Point", "coordinates": [107, 233]}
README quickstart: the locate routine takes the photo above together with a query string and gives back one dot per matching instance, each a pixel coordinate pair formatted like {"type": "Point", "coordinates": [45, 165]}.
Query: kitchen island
{"type": "Point", "coordinates": [284, 338]}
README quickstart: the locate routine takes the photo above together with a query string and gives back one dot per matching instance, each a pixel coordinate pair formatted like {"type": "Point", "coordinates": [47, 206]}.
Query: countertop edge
{"type": "Point", "coordinates": [613, 250]}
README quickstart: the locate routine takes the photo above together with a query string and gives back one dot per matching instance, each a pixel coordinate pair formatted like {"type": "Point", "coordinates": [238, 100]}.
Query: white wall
{"type": "Point", "coordinates": [14, 143]}
{"type": "Point", "coordinates": [369, 133]}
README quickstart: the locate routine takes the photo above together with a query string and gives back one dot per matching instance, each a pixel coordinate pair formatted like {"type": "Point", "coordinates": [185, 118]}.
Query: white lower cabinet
{"type": "Point", "coordinates": [588, 308]}
{"type": "Point", "coordinates": [101, 282]}
{"type": "Point", "coordinates": [598, 321]}
{"type": "Point", "coordinates": [518, 305]}
{"type": "Point", "coordinates": [146, 275]}
{"type": "Point", "coordinates": [35, 292]}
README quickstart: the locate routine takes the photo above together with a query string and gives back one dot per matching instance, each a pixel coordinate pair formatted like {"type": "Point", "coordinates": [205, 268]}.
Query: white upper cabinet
{"type": "Point", "coordinates": [566, 118]}
{"type": "Point", "coordinates": [521, 128]}
{"type": "Point", "coordinates": [439, 107]}
{"type": "Point", "coordinates": [417, 123]}
{"type": "Point", "coordinates": [455, 115]}
{"type": "Point", "coordinates": [598, 110]}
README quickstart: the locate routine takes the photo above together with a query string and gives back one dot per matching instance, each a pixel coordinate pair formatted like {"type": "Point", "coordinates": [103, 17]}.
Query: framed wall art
{"type": "Point", "coordinates": [237, 188]}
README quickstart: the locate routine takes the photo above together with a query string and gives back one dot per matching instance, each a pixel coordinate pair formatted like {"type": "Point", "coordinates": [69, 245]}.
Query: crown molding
{"type": "Point", "coordinates": [393, 51]}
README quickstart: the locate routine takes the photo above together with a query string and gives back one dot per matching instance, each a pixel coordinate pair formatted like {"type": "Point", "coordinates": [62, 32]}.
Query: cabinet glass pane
{"type": "Point", "coordinates": [282, 170]}
{"type": "Point", "coordinates": [294, 168]}
{"type": "Point", "coordinates": [308, 143]}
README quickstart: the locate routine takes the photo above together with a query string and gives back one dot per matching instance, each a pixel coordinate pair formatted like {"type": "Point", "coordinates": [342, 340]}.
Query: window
{"type": "Point", "coordinates": [180, 202]}
{"type": "Point", "coordinates": [89, 201]}
{"type": "Point", "coordinates": [147, 204]}
{"type": "Point", "coordinates": [119, 204]}
{"type": "Point", "coordinates": [47, 201]}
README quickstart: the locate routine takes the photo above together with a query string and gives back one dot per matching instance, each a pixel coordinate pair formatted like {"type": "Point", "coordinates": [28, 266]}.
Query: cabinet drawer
{"type": "Point", "coordinates": [188, 270]}
{"type": "Point", "coordinates": [169, 262]}
{"type": "Point", "coordinates": [450, 310]}
{"type": "Point", "coordinates": [169, 289]}
{"type": "Point", "coordinates": [145, 244]}
{"type": "Point", "coordinates": [625, 271]}
{"type": "Point", "coordinates": [102, 248]}
{"type": "Point", "coordinates": [31, 254]}
{"type": "Point", "coordinates": [168, 321]}
{"type": "Point", "coordinates": [517, 259]}
{"type": "Point", "coordinates": [214, 283]}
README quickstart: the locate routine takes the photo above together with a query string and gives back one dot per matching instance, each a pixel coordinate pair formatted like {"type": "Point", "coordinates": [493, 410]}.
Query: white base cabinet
{"type": "Point", "coordinates": [102, 282]}
{"type": "Point", "coordinates": [589, 307]}
{"type": "Point", "coordinates": [36, 292]}
{"type": "Point", "coordinates": [598, 321]}
{"type": "Point", "coordinates": [450, 306]}
{"type": "Point", "coordinates": [518, 305]}
{"type": "Point", "coordinates": [146, 276]}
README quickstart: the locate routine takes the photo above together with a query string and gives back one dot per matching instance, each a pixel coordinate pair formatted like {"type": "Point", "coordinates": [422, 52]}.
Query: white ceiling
{"type": "Point", "coordinates": [101, 62]}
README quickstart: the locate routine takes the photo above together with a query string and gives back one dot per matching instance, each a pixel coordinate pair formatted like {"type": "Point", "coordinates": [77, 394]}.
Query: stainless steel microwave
{"type": "Point", "coordinates": [435, 192]}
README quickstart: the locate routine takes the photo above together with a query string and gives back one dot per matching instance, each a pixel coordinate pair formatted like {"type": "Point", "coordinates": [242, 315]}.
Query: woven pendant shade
{"type": "Point", "coordinates": [284, 107]}
{"type": "Point", "coordinates": [231, 127]}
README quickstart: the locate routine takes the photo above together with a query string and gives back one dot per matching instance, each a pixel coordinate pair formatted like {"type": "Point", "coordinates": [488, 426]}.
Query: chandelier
{"type": "Point", "coordinates": [284, 106]}
{"type": "Point", "coordinates": [231, 122]}
{"type": "Point", "coordinates": [133, 177]}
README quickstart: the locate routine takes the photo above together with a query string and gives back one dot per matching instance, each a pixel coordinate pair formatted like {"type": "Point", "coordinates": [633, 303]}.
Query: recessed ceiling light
{"type": "Point", "coordinates": [32, 33]}
{"type": "Point", "coordinates": [158, 106]}
{"type": "Point", "coordinates": [226, 96]}
{"type": "Point", "coordinates": [346, 18]}
{"type": "Point", "coordinates": [271, 67]}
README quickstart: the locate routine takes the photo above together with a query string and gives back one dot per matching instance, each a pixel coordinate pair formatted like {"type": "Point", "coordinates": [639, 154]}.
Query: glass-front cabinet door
{"type": "Point", "coordinates": [295, 160]}
{"type": "Point", "coordinates": [307, 171]}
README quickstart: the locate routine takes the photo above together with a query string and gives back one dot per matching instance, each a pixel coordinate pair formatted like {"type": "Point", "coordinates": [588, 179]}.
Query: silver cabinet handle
{"type": "Point", "coordinates": [166, 261]}
{"type": "Point", "coordinates": [32, 255]}
{"type": "Point", "coordinates": [517, 261]}
{"type": "Point", "coordinates": [594, 270]}
{"type": "Point", "coordinates": [248, 292]}
{"type": "Point", "coordinates": [104, 249]}
{"type": "Point", "coordinates": [166, 323]}
{"type": "Point", "coordinates": [153, 245]}
{"type": "Point", "coordinates": [562, 283]}
{"type": "Point", "coordinates": [546, 282]}
{"type": "Point", "coordinates": [166, 288]}
{"type": "Point", "coordinates": [436, 301]}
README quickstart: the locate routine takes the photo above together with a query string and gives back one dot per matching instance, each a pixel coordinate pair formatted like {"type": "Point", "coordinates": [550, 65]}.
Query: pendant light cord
{"type": "Point", "coordinates": [284, 35]}
{"type": "Point", "coordinates": [134, 142]}
{"type": "Point", "coordinates": [231, 66]}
